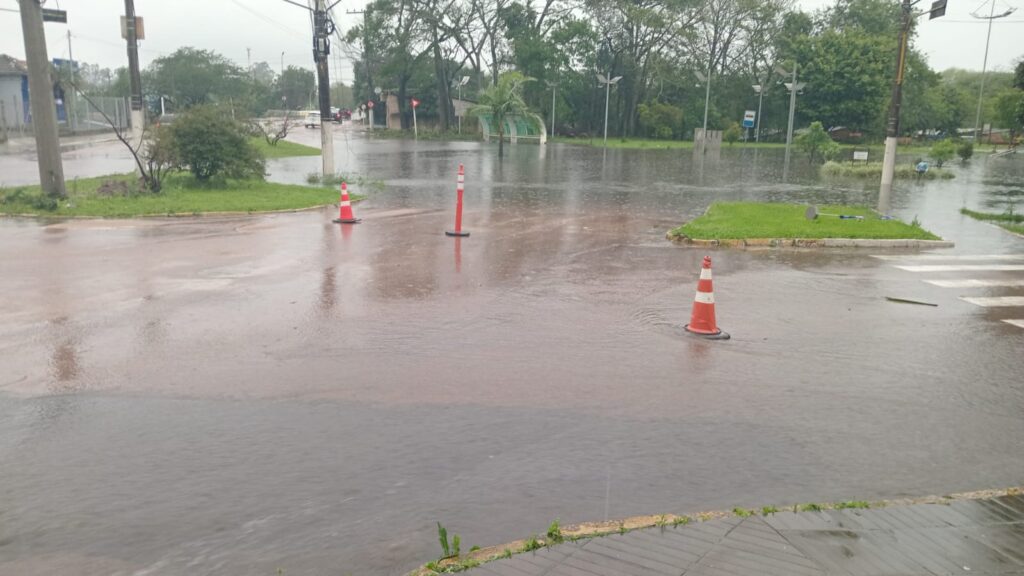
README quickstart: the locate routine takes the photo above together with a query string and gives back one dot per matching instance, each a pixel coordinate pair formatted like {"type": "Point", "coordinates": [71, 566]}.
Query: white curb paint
{"type": "Point", "coordinates": [972, 283]}
{"type": "Point", "coordinates": [964, 268]}
{"type": "Point", "coordinates": [995, 301]}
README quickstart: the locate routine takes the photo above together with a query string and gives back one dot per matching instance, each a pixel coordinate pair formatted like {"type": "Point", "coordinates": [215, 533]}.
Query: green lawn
{"type": "Point", "coordinates": [283, 148]}
{"type": "Point", "coordinates": [1009, 220]}
{"type": "Point", "coordinates": [181, 195]}
{"type": "Point", "coordinates": [747, 220]}
{"type": "Point", "coordinates": [873, 170]}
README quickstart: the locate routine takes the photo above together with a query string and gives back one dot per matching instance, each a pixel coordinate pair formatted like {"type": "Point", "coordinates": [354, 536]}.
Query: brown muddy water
{"type": "Point", "coordinates": [239, 395]}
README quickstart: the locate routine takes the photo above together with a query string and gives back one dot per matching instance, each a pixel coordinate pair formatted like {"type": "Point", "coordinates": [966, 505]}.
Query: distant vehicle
{"type": "Point", "coordinates": [312, 120]}
{"type": "Point", "coordinates": [343, 114]}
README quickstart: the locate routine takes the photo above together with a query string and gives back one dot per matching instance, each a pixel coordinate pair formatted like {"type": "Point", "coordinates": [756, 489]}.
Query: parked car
{"type": "Point", "coordinates": [312, 120]}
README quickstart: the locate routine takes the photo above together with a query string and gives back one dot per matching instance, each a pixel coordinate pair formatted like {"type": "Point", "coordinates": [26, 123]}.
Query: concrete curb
{"type": "Point", "coordinates": [178, 215]}
{"type": "Point", "coordinates": [808, 242]}
{"type": "Point", "coordinates": [598, 529]}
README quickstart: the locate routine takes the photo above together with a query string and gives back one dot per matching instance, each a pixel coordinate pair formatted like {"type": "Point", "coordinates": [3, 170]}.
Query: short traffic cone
{"type": "Point", "coordinates": [345, 215]}
{"type": "Point", "coordinates": [459, 186]}
{"type": "Point", "coordinates": [702, 321]}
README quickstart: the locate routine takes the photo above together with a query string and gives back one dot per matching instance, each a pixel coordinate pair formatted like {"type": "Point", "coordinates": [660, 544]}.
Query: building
{"type": "Point", "coordinates": [13, 92]}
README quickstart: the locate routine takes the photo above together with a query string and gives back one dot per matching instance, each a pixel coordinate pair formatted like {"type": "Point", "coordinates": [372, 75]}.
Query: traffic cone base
{"type": "Point", "coordinates": [457, 233]}
{"type": "Point", "coordinates": [347, 220]}
{"type": "Point", "coordinates": [702, 321]}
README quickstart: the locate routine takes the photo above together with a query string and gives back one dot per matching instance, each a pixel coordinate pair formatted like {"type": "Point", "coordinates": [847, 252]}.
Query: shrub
{"type": "Point", "coordinates": [208, 142]}
{"type": "Point", "coordinates": [732, 134]}
{"type": "Point", "coordinates": [659, 120]}
{"type": "Point", "coordinates": [942, 151]}
{"type": "Point", "coordinates": [817, 143]}
{"type": "Point", "coordinates": [965, 150]}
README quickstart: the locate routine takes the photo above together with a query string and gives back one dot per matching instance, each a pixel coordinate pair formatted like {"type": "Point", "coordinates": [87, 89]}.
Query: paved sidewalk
{"type": "Point", "coordinates": [977, 537]}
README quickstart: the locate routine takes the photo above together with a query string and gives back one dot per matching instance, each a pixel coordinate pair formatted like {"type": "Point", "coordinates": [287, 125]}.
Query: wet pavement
{"type": "Point", "coordinates": [981, 537]}
{"type": "Point", "coordinates": [238, 395]}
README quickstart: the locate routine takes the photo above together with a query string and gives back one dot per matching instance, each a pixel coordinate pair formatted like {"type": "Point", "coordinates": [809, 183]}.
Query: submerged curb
{"type": "Point", "coordinates": [598, 529]}
{"type": "Point", "coordinates": [48, 216]}
{"type": "Point", "coordinates": [808, 242]}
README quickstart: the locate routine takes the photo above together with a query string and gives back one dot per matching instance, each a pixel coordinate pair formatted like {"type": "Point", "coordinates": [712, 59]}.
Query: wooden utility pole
{"type": "Point", "coordinates": [44, 112]}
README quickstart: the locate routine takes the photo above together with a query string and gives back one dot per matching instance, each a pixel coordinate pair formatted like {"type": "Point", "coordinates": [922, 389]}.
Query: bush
{"type": "Point", "coordinates": [942, 151]}
{"type": "Point", "coordinates": [817, 143]}
{"type": "Point", "coordinates": [660, 120]}
{"type": "Point", "coordinates": [732, 134]}
{"type": "Point", "coordinates": [965, 150]}
{"type": "Point", "coordinates": [208, 142]}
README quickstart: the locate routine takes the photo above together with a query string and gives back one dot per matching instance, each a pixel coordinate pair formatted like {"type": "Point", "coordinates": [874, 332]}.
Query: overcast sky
{"type": "Point", "coordinates": [271, 27]}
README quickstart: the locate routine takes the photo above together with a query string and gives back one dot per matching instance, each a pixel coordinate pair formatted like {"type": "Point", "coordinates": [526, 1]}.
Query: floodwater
{"type": "Point", "coordinates": [239, 395]}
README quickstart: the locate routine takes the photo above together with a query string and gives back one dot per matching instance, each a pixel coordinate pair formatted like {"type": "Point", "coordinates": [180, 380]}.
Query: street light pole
{"type": "Point", "coordinates": [793, 87]}
{"type": "Point", "coordinates": [601, 78]}
{"type": "Point", "coordinates": [759, 88]}
{"type": "Point", "coordinates": [707, 100]}
{"type": "Point", "coordinates": [984, 63]}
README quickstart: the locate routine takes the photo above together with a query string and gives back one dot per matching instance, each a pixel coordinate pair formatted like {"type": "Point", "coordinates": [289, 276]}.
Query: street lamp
{"type": "Point", "coordinates": [793, 88]}
{"type": "Point", "coordinates": [759, 89]}
{"type": "Point", "coordinates": [984, 63]}
{"type": "Point", "coordinates": [462, 82]}
{"type": "Point", "coordinates": [554, 90]}
{"type": "Point", "coordinates": [602, 79]}
{"type": "Point", "coordinates": [706, 79]}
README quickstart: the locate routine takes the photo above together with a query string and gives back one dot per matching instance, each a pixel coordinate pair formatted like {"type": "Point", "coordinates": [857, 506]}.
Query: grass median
{"type": "Point", "coordinates": [117, 196]}
{"type": "Point", "coordinates": [756, 220]}
{"type": "Point", "coordinates": [283, 149]}
{"type": "Point", "coordinates": [1008, 220]}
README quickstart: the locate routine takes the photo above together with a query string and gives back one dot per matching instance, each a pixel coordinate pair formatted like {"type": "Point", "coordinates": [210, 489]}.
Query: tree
{"type": "Point", "coordinates": [294, 87]}
{"type": "Point", "coordinates": [191, 76]}
{"type": "Point", "coordinates": [660, 120]}
{"type": "Point", "coordinates": [965, 150]}
{"type": "Point", "coordinates": [501, 102]}
{"type": "Point", "coordinates": [817, 143]}
{"type": "Point", "coordinates": [209, 143]}
{"type": "Point", "coordinates": [1009, 111]}
{"type": "Point", "coordinates": [733, 132]}
{"type": "Point", "coordinates": [942, 151]}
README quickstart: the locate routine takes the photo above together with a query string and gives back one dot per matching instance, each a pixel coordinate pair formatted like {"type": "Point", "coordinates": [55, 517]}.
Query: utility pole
{"type": "Point", "coordinates": [793, 87]}
{"type": "Point", "coordinates": [892, 130]}
{"type": "Point", "coordinates": [984, 63]}
{"type": "Point", "coordinates": [323, 27]}
{"type": "Point", "coordinates": [137, 115]}
{"type": "Point", "coordinates": [44, 113]}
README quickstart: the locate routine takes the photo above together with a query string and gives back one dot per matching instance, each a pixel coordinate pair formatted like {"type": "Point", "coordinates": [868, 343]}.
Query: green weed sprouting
{"type": "Point", "coordinates": [555, 532]}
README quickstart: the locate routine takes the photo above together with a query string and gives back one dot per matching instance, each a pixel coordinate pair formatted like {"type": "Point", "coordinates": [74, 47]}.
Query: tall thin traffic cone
{"type": "Point", "coordinates": [345, 215]}
{"type": "Point", "coordinates": [459, 186]}
{"type": "Point", "coordinates": [702, 321]}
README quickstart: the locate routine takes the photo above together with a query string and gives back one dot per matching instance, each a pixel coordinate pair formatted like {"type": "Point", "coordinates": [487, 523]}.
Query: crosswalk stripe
{"type": "Point", "coordinates": [1018, 323]}
{"type": "Point", "coordinates": [994, 301]}
{"type": "Point", "coordinates": [974, 283]}
{"type": "Point", "coordinates": [950, 257]}
{"type": "Point", "coordinates": [963, 268]}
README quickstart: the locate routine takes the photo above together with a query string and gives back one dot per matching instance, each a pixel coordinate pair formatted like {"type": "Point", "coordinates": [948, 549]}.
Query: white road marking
{"type": "Point", "coordinates": [972, 283]}
{"type": "Point", "coordinates": [964, 268]}
{"type": "Point", "coordinates": [1018, 323]}
{"type": "Point", "coordinates": [951, 257]}
{"type": "Point", "coordinates": [994, 301]}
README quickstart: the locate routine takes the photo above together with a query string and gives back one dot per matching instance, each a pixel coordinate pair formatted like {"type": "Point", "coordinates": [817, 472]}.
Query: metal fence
{"type": "Point", "coordinates": [74, 115]}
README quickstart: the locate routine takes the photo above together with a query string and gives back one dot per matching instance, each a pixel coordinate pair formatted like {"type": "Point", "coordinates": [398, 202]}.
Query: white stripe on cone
{"type": "Point", "coordinates": [705, 297]}
{"type": "Point", "coordinates": [705, 273]}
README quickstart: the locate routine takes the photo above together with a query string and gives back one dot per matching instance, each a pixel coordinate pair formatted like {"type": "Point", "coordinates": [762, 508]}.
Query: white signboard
{"type": "Point", "coordinates": [860, 154]}
{"type": "Point", "coordinates": [748, 119]}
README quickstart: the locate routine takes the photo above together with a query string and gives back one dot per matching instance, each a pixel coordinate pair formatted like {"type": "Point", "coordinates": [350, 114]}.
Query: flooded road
{"type": "Point", "coordinates": [238, 395]}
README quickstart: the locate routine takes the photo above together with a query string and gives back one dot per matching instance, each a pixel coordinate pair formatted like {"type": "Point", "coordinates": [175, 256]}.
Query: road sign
{"type": "Point", "coordinates": [140, 28]}
{"type": "Point", "coordinates": [860, 155]}
{"type": "Point", "coordinates": [415, 103]}
{"type": "Point", "coordinates": [748, 118]}
{"type": "Point", "coordinates": [370, 104]}
{"type": "Point", "coordinates": [51, 15]}
{"type": "Point", "coordinates": [938, 9]}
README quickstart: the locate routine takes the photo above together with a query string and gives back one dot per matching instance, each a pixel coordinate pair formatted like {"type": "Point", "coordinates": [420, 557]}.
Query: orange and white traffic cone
{"type": "Point", "coordinates": [702, 321]}
{"type": "Point", "coordinates": [345, 215]}
{"type": "Point", "coordinates": [459, 186]}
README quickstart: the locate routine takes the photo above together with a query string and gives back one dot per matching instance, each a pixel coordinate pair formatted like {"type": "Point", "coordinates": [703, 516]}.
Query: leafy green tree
{"type": "Point", "coordinates": [942, 151]}
{"type": "Point", "coordinates": [965, 150]}
{"type": "Point", "coordinates": [294, 87]}
{"type": "Point", "coordinates": [191, 76]}
{"type": "Point", "coordinates": [209, 143]}
{"type": "Point", "coordinates": [501, 102]}
{"type": "Point", "coordinates": [660, 120]}
{"type": "Point", "coordinates": [1009, 111]}
{"type": "Point", "coordinates": [817, 143]}
{"type": "Point", "coordinates": [732, 133]}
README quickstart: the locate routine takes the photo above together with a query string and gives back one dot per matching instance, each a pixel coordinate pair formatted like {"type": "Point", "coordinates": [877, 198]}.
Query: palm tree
{"type": "Point", "coordinates": [502, 101]}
